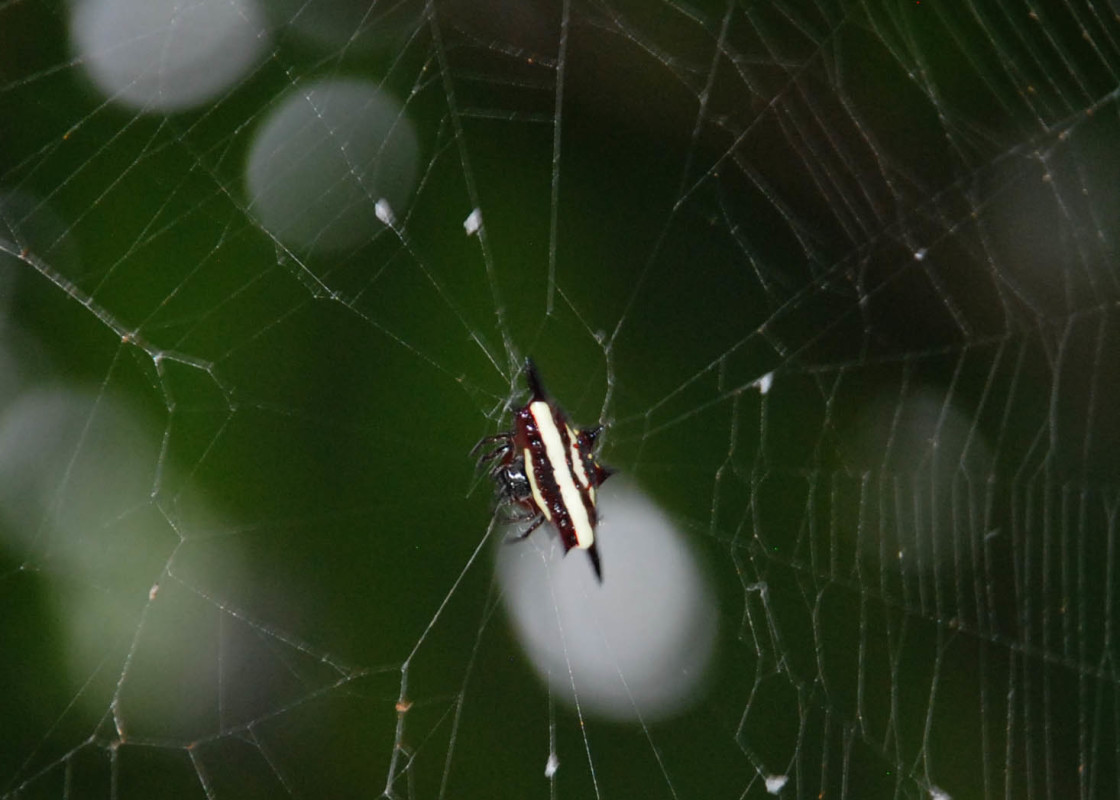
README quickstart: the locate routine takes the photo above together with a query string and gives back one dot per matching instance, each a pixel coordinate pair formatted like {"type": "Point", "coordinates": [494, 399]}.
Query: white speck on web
{"type": "Point", "coordinates": [764, 383]}
{"type": "Point", "coordinates": [473, 222]}
{"type": "Point", "coordinates": [775, 783]}
{"type": "Point", "coordinates": [384, 212]}
{"type": "Point", "coordinates": [551, 765]}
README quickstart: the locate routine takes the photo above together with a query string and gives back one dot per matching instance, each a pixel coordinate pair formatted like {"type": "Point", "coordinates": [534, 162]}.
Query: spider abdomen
{"type": "Point", "coordinates": [548, 469]}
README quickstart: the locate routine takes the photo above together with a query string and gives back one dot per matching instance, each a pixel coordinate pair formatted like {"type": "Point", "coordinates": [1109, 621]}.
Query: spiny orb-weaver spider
{"type": "Point", "coordinates": [546, 471]}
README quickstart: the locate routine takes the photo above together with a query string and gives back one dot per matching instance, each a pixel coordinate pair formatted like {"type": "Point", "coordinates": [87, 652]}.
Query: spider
{"type": "Point", "coordinates": [546, 471]}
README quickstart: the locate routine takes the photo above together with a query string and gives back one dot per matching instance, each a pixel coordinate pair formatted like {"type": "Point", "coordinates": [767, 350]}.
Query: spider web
{"type": "Point", "coordinates": [838, 278]}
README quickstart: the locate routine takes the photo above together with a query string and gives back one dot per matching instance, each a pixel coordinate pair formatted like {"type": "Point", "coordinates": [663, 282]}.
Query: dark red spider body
{"type": "Point", "coordinates": [546, 471]}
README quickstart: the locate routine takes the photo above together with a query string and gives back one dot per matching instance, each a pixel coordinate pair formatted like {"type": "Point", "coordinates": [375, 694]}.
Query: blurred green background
{"type": "Point", "coordinates": [236, 489]}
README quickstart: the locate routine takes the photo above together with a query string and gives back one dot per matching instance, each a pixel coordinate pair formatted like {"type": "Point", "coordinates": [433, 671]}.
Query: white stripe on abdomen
{"type": "Point", "coordinates": [565, 481]}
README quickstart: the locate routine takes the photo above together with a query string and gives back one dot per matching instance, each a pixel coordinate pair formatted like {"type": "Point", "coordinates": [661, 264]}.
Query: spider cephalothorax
{"type": "Point", "coordinates": [546, 471]}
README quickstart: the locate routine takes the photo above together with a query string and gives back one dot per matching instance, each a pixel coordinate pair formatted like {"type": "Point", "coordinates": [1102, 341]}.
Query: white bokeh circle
{"type": "Point", "coordinates": [636, 646]}
{"type": "Point", "coordinates": [332, 164]}
{"type": "Point", "coordinates": [167, 55]}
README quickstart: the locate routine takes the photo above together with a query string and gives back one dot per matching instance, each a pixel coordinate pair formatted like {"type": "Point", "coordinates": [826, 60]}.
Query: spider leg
{"type": "Point", "coordinates": [497, 472]}
{"type": "Point", "coordinates": [525, 533]}
{"type": "Point", "coordinates": [515, 512]}
{"type": "Point", "coordinates": [506, 440]}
